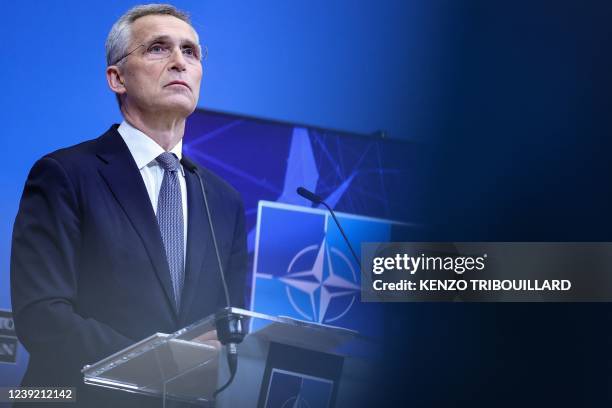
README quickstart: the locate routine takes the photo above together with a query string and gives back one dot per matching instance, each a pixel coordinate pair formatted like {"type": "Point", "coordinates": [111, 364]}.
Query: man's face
{"type": "Point", "coordinates": [162, 77]}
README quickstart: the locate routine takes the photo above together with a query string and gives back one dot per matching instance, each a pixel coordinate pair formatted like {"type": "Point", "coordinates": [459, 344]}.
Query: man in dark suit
{"type": "Point", "coordinates": [112, 242]}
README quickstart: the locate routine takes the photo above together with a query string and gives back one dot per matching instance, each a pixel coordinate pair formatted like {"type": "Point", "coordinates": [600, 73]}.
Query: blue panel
{"type": "Point", "coordinates": [304, 269]}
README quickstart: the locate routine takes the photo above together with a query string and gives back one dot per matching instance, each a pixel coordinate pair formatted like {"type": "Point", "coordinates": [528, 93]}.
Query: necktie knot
{"type": "Point", "coordinates": [168, 161]}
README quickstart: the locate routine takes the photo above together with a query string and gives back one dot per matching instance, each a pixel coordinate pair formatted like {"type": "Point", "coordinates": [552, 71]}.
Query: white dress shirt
{"type": "Point", "coordinates": [145, 150]}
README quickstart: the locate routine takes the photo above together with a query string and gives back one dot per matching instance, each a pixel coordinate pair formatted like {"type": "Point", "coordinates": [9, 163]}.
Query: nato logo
{"type": "Point", "coordinates": [303, 269]}
{"type": "Point", "coordinates": [311, 272]}
{"type": "Point", "coordinates": [289, 389]}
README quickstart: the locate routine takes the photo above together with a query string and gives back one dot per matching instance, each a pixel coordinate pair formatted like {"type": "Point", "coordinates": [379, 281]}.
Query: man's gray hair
{"type": "Point", "coordinates": [120, 35]}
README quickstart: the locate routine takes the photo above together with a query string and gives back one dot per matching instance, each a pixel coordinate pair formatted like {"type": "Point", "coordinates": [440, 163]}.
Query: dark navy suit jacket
{"type": "Point", "coordinates": [89, 274]}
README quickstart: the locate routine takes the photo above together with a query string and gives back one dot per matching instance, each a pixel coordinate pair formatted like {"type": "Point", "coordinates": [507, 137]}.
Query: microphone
{"type": "Point", "coordinates": [310, 196]}
{"type": "Point", "coordinates": [230, 330]}
{"type": "Point", "coordinates": [192, 167]}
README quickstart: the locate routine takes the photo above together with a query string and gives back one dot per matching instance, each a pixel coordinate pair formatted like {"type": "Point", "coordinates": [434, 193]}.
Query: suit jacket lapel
{"type": "Point", "coordinates": [199, 246]}
{"type": "Point", "coordinates": [123, 178]}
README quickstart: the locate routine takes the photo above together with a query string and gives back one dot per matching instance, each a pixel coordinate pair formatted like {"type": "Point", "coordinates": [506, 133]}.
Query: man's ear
{"type": "Point", "coordinates": [115, 79]}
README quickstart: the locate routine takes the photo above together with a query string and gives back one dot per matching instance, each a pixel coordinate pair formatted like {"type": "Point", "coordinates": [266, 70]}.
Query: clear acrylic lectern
{"type": "Point", "coordinates": [184, 366]}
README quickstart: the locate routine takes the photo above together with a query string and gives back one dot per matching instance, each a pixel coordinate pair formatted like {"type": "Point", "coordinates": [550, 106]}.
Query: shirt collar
{"type": "Point", "coordinates": [145, 150]}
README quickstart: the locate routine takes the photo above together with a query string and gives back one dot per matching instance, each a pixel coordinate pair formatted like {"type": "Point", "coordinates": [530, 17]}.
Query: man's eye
{"type": "Point", "coordinates": [189, 52]}
{"type": "Point", "coordinates": [156, 49]}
